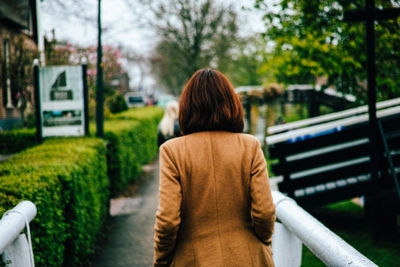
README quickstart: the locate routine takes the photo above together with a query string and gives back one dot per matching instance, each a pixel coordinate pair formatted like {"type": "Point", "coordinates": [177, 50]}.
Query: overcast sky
{"type": "Point", "coordinates": [124, 24]}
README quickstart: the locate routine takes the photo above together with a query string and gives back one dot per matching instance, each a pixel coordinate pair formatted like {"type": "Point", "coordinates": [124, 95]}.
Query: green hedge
{"type": "Point", "coordinates": [153, 114]}
{"type": "Point", "coordinates": [148, 119]}
{"type": "Point", "coordinates": [132, 142]}
{"type": "Point", "coordinates": [16, 140]}
{"type": "Point", "coordinates": [123, 164]}
{"type": "Point", "coordinates": [67, 180]}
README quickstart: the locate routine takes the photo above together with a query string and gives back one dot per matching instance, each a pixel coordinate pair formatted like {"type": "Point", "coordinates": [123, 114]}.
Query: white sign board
{"type": "Point", "coordinates": [61, 101]}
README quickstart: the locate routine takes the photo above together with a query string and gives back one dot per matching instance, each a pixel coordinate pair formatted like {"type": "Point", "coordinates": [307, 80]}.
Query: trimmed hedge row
{"type": "Point", "coordinates": [148, 119]}
{"type": "Point", "coordinates": [69, 180]}
{"type": "Point", "coordinates": [132, 142]}
{"type": "Point", "coordinates": [16, 140]}
{"type": "Point", "coordinates": [123, 163]}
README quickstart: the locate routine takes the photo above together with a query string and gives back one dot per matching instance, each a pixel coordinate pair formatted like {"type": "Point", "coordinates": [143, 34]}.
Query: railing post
{"type": "Point", "coordinates": [14, 222]}
{"type": "Point", "coordinates": [326, 245]}
{"type": "Point", "coordinates": [17, 254]}
{"type": "Point", "coordinates": [13, 245]}
{"type": "Point", "coordinates": [286, 247]}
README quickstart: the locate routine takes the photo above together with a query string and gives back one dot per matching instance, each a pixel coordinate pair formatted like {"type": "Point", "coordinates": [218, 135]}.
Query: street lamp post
{"type": "Point", "coordinates": [99, 82]}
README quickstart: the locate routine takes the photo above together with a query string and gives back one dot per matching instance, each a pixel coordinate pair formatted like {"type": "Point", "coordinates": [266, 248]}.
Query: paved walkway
{"type": "Point", "coordinates": [130, 239]}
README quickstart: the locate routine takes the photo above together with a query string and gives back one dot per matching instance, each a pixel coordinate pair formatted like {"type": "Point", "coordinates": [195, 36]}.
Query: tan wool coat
{"type": "Point", "coordinates": [215, 204]}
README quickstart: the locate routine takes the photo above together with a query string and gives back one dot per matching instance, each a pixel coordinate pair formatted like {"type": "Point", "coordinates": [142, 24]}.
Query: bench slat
{"type": "Point", "coordinates": [347, 134]}
{"type": "Point", "coordinates": [350, 152]}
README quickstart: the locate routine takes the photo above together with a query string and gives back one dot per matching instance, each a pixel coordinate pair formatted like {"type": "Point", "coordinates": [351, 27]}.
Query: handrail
{"type": "Point", "coordinates": [326, 245]}
{"type": "Point", "coordinates": [14, 221]}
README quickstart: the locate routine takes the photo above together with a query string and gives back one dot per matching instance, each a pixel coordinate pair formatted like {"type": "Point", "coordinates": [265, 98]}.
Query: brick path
{"type": "Point", "coordinates": [130, 239]}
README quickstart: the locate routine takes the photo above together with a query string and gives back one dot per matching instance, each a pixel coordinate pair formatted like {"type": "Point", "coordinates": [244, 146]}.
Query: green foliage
{"type": "Point", "coordinates": [148, 119]}
{"type": "Point", "coordinates": [309, 259]}
{"type": "Point", "coordinates": [67, 180]}
{"type": "Point", "coordinates": [152, 114]}
{"type": "Point", "coordinates": [246, 61]}
{"type": "Point", "coordinates": [117, 103]}
{"type": "Point", "coordinates": [122, 155]}
{"type": "Point", "coordinates": [348, 221]}
{"type": "Point", "coordinates": [132, 141]}
{"type": "Point", "coordinates": [16, 140]}
{"type": "Point", "coordinates": [310, 40]}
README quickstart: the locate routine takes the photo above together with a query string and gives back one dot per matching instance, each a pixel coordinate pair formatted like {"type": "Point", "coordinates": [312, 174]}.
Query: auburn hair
{"type": "Point", "coordinates": [209, 103]}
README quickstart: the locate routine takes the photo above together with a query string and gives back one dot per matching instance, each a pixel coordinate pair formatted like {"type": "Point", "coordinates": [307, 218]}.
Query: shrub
{"type": "Point", "coordinates": [132, 141]}
{"type": "Point", "coordinates": [117, 103]}
{"type": "Point", "coordinates": [122, 155]}
{"type": "Point", "coordinates": [153, 114]}
{"type": "Point", "coordinates": [16, 140]}
{"type": "Point", "coordinates": [148, 118]}
{"type": "Point", "coordinates": [67, 181]}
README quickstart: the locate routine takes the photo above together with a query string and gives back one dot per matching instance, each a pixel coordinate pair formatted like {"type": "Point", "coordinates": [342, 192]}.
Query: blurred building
{"type": "Point", "coordinates": [18, 33]}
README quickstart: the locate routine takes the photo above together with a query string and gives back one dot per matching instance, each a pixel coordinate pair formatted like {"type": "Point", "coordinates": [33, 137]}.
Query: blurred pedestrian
{"type": "Point", "coordinates": [215, 204]}
{"type": "Point", "coordinates": [169, 124]}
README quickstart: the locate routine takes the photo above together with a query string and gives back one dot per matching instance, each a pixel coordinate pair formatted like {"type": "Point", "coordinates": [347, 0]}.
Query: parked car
{"type": "Point", "coordinates": [135, 99]}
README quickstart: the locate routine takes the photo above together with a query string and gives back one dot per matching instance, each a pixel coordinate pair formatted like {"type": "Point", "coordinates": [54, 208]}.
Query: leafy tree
{"type": "Point", "coordinates": [167, 65]}
{"type": "Point", "coordinates": [193, 35]}
{"type": "Point", "coordinates": [117, 103]}
{"type": "Point", "coordinates": [247, 58]}
{"type": "Point", "coordinates": [311, 39]}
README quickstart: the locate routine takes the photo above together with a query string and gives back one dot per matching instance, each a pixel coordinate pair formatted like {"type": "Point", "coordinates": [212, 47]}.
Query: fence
{"type": "Point", "coordinates": [15, 248]}
{"type": "Point", "coordinates": [296, 226]}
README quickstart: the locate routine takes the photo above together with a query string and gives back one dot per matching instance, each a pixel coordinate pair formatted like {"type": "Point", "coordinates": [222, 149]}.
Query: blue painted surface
{"type": "Point", "coordinates": [309, 136]}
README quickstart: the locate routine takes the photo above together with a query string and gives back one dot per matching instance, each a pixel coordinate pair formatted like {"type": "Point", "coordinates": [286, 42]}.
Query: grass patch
{"type": "Point", "coordinates": [347, 220]}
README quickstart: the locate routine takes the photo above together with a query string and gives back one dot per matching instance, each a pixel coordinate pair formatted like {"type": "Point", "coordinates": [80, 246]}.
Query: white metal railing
{"type": "Point", "coordinates": [15, 248]}
{"type": "Point", "coordinates": [296, 226]}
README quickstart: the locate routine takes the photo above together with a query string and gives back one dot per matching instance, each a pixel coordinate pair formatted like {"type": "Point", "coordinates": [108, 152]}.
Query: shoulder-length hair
{"type": "Point", "coordinates": [209, 103]}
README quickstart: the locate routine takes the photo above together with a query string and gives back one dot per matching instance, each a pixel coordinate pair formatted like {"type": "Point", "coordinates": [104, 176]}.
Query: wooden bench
{"type": "Point", "coordinates": [331, 117]}
{"type": "Point", "coordinates": [329, 162]}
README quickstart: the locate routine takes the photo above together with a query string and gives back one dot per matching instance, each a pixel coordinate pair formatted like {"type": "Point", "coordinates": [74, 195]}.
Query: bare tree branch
{"type": "Point", "coordinates": [192, 35]}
